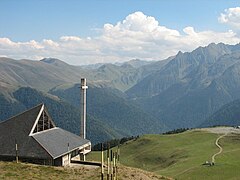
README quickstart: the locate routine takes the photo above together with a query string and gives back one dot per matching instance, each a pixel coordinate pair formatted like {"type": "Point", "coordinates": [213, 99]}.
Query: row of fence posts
{"type": "Point", "coordinates": [112, 163]}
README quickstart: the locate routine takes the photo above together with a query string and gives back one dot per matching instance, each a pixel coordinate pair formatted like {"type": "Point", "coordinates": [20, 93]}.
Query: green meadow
{"type": "Point", "coordinates": [181, 156]}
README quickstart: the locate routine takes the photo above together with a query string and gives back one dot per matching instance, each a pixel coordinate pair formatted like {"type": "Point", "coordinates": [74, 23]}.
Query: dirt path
{"type": "Point", "coordinates": [220, 148]}
{"type": "Point", "coordinates": [213, 157]}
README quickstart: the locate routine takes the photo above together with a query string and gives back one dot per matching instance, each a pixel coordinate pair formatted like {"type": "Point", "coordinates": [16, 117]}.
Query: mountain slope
{"type": "Point", "coordinates": [229, 115]}
{"type": "Point", "coordinates": [41, 75]}
{"type": "Point", "coordinates": [65, 115]}
{"type": "Point", "coordinates": [181, 91]}
{"type": "Point", "coordinates": [191, 86]}
{"type": "Point", "coordinates": [49, 72]}
{"type": "Point", "coordinates": [178, 70]}
{"type": "Point", "coordinates": [136, 63]}
{"type": "Point", "coordinates": [106, 104]}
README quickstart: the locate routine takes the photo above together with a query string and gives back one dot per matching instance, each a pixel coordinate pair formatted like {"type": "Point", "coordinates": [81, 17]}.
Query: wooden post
{"type": "Point", "coordinates": [111, 170]}
{"type": "Point", "coordinates": [118, 151]}
{"type": "Point", "coordinates": [108, 162]}
{"type": "Point", "coordinates": [68, 156]}
{"type": "Point", "coordinates": [102, 161]}
{"type": "Point", "coordinates": [116, 157]}
{"type": "Point", "coordinates": [16, 153]}
{"type": "Point", "coordinates": [117, 160]}
{"type": "Point", "coordinates": [114, 164]}
{"type": "Point", "coordinates": [52, 161]}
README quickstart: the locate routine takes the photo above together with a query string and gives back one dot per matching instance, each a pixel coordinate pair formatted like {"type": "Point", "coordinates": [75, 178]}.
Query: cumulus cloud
{"type": "Point", "coordinates": [231, 16]}
{"type": "Point", "coordinates": [137, 36]}
{"type": "Point", "coordinates": [70, 38]}
{"type": "Point", "coordinates": [50, 43]}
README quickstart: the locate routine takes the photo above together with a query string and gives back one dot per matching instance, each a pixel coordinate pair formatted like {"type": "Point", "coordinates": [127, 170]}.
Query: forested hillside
{"type": "Point", "coordinates": [228, 115]}
{"type": "Point", "coordinates": [65, 115]}
{"type": "Point", "coordinates": [112, 108]}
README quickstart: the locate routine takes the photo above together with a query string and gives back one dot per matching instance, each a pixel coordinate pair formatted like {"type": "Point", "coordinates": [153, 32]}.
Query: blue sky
{"type": "Point", "coordinates": [23, 21]}
{"type": "Point", "coordinates": [39, 19]}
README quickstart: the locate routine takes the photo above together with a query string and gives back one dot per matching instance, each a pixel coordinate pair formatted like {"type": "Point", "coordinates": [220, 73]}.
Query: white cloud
{"type": "Point", "coordinates": [231, 16]}
{"type": "Point", "coordinates": [137, 36]}
{"type": "Point", "coordinates": [70, 38]}
{"type": "Point", "coordinates": [50, 43]}
{"type": "Point", "coordinates": [5, 42]}
{"type": "Point", "coordinates": [190, 31]}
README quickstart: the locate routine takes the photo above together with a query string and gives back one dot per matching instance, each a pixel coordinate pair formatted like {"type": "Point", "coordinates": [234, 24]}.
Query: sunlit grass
{"type": "Point", "coordinates": [181, 155]}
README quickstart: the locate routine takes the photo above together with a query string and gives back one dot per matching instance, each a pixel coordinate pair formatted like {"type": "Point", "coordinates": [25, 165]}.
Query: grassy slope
{"type": "Point", "coordinates": [181, 155]}
{"type": "Point", "coordinates": [12, 170]}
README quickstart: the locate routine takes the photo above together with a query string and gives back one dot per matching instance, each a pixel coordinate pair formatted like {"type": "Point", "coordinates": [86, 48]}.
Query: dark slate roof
{"type": "Point", "coordinates": [56, 141]}
{"type": "Point", "coordinates": [16, 130]}
{"type": "Point", "coordinates": [43, 145]}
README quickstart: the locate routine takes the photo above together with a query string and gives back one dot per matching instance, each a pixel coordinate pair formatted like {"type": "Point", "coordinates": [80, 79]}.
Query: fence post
{"type": "Point", "coordinates": [102, 161]}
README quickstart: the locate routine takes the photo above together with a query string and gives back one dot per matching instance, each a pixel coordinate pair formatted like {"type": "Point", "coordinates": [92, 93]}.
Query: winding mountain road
{"type": "Point", "coordinates": [220, 148]}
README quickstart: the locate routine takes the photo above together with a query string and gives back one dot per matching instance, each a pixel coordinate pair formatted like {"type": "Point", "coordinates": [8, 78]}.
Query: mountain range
{"type": "Point", "coordinates": [192, 86]}
{"type": "Point", "coordinates": [189, 89]}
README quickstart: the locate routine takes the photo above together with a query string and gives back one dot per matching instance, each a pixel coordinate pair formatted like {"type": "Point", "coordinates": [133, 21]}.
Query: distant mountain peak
{"type": "Point", "coordinates": [107, 65]}
{"type": "Point", "coordinates": [127, 65]}
{"type": "Point", "coordinates": [136, 63]}
{"type": "Point", "coordinates": [179, 53]}
{"type": "Point", "coordinates": [53, 61]}
{"type": "Point", "coordinates": [212, 44]}
{"type": "Point", "coordinates": [135, 60]}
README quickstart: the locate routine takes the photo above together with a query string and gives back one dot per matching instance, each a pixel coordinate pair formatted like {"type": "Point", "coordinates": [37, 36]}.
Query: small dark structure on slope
{"type": "Point", "coordinates": [33, 137]}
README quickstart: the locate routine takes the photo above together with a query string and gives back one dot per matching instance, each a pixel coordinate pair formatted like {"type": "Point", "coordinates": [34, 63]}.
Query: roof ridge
{"type": "Point", "coordinates": [45, 131]}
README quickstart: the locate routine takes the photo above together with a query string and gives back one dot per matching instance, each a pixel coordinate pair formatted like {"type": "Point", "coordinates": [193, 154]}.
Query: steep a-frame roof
{"type": "Point", "coordinates": [37, 136]}
{"type": "Point", "coordinates": [16, 131]}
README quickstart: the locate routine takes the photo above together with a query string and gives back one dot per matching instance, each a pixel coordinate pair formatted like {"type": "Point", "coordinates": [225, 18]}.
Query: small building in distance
{"type": "Point", "coordinates": [32, 136]}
